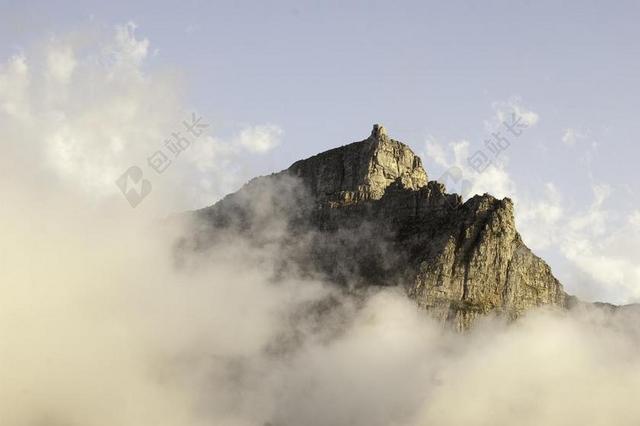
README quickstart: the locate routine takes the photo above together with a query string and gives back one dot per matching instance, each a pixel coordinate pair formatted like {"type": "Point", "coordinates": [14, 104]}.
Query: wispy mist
{"type": "Point", "coordinates": [100, 325]}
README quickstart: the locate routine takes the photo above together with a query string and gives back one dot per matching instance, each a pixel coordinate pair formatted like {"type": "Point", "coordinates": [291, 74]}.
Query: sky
{"type": "Point", "coordinates": [103, 84]}
{"type": "Point", "coordinates": [117, 114]}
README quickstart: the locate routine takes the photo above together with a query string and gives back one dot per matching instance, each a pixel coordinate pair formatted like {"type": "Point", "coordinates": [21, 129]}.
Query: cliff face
{"type": "Point", "coordinates": [360, 171]}
{"type": "Point", "coordinates": [365, 214]}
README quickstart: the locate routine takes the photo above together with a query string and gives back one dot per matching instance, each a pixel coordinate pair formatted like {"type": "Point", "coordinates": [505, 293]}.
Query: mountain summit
{"type": "Point", "coordinates": [362, 170]}
{"type": "Point", "coordinates": [365, 214]}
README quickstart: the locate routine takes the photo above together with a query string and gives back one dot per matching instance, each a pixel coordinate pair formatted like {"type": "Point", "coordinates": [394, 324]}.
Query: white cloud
{"type": "Point", "coordinates": [504, 111]}
{"type": "Point", "coordinates": [594, 219]}
{"type": "Point", "coordinates": [493, 178]}
{"type": "Point", "coordinates": [61, 63]}
{"type": "Point", "coordinates": [261, 138]}
{"type": "Point", "coordinates": [14, 85]}
{"type": "Point", "coordinates": [538, 219]}
{"type": "Point", "coordinates": [483, 166]}
{"type": "Point", "coordinates": [634, 220]}
{"type": "Point", "coordinates": [127, 48]}
{"type": "Point", "coordinates": [602, 248]}
{"type": "Point", "coordinates": [88, 107]}
{"type": "Point", "coordinates": [89, 120]}
{"type": "Point", "coordinates": [496, 181]}
{"type": "Point", "coordinates": [606, 249]}
{"type": "Point", "coordinates": [571, 136]}
{"type": "Point", "coordinates": [436, 152]}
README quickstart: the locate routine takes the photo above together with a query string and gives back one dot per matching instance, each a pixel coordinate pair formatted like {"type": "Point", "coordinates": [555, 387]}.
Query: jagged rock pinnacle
{"type": "Point", "coordinates": [361, 170]}
{"type": "Point", "coordinates": [378, 132]}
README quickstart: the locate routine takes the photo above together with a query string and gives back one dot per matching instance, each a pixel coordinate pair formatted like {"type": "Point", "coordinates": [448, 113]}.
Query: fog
{"type": "Point", "coordinates": [101, 325]}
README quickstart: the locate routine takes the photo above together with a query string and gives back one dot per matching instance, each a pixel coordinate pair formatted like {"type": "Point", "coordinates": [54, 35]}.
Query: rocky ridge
{"type": "Point", "coordinates": [365, 214]}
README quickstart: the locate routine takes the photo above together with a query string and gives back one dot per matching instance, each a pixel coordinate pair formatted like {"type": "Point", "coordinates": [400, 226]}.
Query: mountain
{"type": "Point", "coordinates": [366, 214]}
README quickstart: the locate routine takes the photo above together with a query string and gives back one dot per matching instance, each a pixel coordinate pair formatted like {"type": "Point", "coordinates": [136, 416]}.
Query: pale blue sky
{"type": "Point", "coordinates": [323, 72]}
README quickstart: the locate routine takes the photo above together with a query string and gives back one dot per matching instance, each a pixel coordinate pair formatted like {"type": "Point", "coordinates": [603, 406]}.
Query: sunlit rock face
{"type": "Point", "coordinates": [361, 170]}
{"type": "Point", "coordinates": [365, 214]}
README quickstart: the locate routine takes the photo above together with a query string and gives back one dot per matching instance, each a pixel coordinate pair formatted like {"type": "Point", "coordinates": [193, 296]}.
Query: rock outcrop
{"type": "Point", "coordinates": [366, 214]}
{"type": "Point", "coordinates": [360, 171]}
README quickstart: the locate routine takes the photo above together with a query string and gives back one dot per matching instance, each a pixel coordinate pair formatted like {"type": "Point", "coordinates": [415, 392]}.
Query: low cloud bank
{"type": "Point", "coordinates": [100, 326]}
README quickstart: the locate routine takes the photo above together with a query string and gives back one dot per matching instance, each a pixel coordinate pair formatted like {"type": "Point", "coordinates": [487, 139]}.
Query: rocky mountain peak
{"type": "Point", "coordinates": [361, 170]}
{"type": "Point", "coordinates": [365, 214]}
{"type": "Point", "coordinates": [378, 132]}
